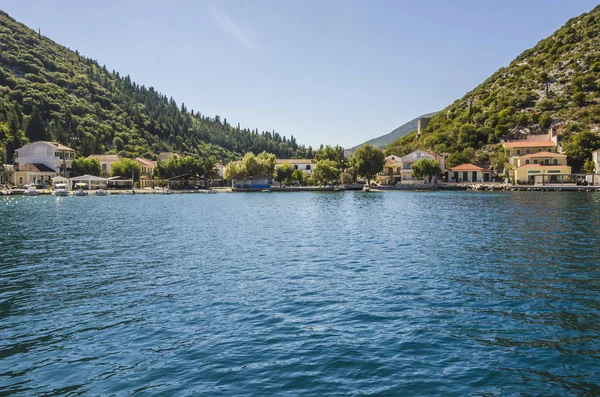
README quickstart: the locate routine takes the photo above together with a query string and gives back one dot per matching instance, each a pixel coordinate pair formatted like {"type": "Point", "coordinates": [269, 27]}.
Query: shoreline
{"type": "Point", "coordinates": [486, 187]}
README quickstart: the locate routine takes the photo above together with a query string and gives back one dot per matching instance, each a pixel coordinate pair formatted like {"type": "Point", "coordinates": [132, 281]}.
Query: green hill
{"type": "Point", "coordinates": [50, 92]}
{"type": "Point", "coordinates": [553, 85]}
{"type": "Point", "coordinates": [388, 138]}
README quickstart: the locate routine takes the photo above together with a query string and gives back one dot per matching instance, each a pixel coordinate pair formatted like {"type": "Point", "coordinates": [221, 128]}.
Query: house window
{"type": "Point", "coordinates": [546, 161]}
{"type": "Point", "coordinates": [526, 162]}
{"type": "Point", "coordinates": [539, 150]}
{"type": "Point", "coordinates": [535, 161]}
{"type": "Point", "coordinates": [555, 161]}
{"type": "Point", "coordinates": [295, 167]}
{"type": "Point", "coordinates": [308, 168]}
{"type": "Point", "coordinates": [518, 152]}
{"type": "Point", "coordinates": [550, 150]}
{"type": "Point", "coordinates": [527, 151]}
{"type": "Point", "coordinates": [20, 180]}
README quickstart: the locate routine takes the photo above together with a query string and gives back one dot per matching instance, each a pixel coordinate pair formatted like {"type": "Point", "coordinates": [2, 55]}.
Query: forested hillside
{"type": "Point", "coordinates": [555, 84]}
{"type": "Point", "coordinates": [48, 92]}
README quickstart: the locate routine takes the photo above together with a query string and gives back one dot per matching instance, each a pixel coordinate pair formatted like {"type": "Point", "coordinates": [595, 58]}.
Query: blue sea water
{"type": "Point", "coordinates": [301, 294]}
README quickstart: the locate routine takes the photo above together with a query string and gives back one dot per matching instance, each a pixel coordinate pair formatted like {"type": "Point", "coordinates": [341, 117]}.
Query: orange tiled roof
{"type": "Point", "coordinates": [543, 154]}
{"type": "Point", "coordinates": [468, 167]}
{"type": "Point", "coordinates": [520, 144]}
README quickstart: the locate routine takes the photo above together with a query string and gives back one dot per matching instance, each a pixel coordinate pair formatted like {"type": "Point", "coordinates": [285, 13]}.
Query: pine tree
{"type": "Point", "coordinates": [36, 130]}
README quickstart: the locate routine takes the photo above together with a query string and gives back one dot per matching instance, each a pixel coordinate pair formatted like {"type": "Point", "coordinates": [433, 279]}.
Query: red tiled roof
{"type": "Point", "coordinates": [468, 167]}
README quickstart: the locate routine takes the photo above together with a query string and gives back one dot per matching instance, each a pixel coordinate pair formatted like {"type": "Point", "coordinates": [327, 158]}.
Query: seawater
{"type": "Point", "coordinates": [313, 294]}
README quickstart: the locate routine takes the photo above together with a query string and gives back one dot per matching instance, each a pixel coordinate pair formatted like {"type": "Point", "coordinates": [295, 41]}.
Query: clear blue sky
{"type": "Point", "coordinates": [328, 71]}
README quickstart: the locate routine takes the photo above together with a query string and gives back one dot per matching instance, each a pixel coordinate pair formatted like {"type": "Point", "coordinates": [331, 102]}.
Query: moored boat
{"type": "Point", "coordinates": [61, 190]}
{"type": "Point", "coordinates": [30, 191]}
{"type": "Point", "coordinates": [81, 193]}
{"type": "Point", "coordinates": [101, 192]}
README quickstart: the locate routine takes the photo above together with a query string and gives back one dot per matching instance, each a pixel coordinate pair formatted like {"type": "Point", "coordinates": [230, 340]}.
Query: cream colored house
{"type": "Point", "coordinates": [411, 158]}
{"type": "Point", "coordinates": [36, 174]}
{"type": "Point", "coordinates": [304, 165]}
{"type": "Point", "coordinates": [542, 168]}
{"type": "Point", "coordinates": [38, 162]}
{"type": "Point", "coordinates": [147, 166]}
{"type": "Point", "coordinates": [106, 161]}
{"type": "Point", "coordinates": [516, 149]}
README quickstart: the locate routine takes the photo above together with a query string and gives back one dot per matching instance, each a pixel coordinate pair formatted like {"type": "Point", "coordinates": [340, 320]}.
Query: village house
{"type": "Point", "coordinates": [37, 162]}
{"type": "Point", "coordinates": [304, 165]}
{"type": "Point", "coordinates": [469, 173]}
{"type": "Point", "coordinates": [411, 158]}
{"type": "Point", "coordinates": [542, 168]}
{"type": "Point", "coordinates": [146, 166]}
{"type": "Point", "coordinates": [391, 171]}
{"type": "Point", "coordinates": [106, 161]}
{"type": "Point", "coordinates": [515, 149]}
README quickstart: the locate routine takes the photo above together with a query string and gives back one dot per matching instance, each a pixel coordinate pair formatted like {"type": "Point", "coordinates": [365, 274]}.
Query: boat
{"type": "Point", "coordinates": [161, 190]}
{"type": "Point", "coordinates": [5, 192]}
{"type": "Point", "coordinates": [126, 192]}
{"type": "Point", "coordinates": [30, 191]}
{"type": "Point", "coordinates": [101, 192]}
{"type": "Point", "coordinates": [266, 190]}
{"type": "Point", "coordinates": [60, 189]}
{"type": "Point", "coordinates": [81, 193]}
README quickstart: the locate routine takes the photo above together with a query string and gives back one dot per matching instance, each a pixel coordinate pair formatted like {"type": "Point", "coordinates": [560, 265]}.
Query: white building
{"type": "Point", "coordinates": [408, 160]}
{"type": "Point", "coordinates": [38, 162]}
{"type": "Point", "coordinates": [304, 165]}
{"type": "Point", "coordinates": [106, 161]}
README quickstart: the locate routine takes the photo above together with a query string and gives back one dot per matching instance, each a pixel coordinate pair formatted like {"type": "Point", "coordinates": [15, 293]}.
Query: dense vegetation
{"type": "Point", "coordinates": [555, 84]}
{"type": "Point", "coordinates": [48, 92]}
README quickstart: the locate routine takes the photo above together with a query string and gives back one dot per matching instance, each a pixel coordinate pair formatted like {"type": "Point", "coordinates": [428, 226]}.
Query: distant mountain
{"type": "Point", "coordinates": [48, 92]}
{"type": "Point", "coordinates": [386, 139]}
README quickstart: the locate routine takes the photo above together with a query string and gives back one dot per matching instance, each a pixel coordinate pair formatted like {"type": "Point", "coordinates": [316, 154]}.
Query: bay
{"type": "Point", "coordinates": [413, 294]}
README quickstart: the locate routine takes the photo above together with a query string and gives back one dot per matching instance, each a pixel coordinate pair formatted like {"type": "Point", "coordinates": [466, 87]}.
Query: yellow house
{"type": "Point", "coordinates": [146, 166]}
{"type": "Point", "coordinates": [542, 168]}
{"type": "Point", "coordinates": [516, 149]}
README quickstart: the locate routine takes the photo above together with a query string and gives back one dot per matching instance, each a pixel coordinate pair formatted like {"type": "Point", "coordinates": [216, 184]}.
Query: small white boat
{"type": "Point", "coordinates": [101, 192]}
{"type": "Point", "coordinates": [126, 192]}
{"type": "Point", "coordinates": [5, 192]}
{"type": "Point", "coordinates": [30, 191]}
{"type": "Point", "coordinates": [161, 190]}
{"type": "Point", "coordinates": [266, 190]}
{"type": "Point", "coordinates": [61, 190]}
{"type": "Point", "coordinates": [81, 193]}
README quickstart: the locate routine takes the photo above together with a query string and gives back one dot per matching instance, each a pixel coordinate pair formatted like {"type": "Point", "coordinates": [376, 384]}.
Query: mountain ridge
{"type": "Point", "coordinates": [384, 140]}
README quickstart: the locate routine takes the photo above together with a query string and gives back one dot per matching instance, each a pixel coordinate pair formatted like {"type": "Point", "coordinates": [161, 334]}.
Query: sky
{"type": "Point", "coordinates": [325, 71]}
